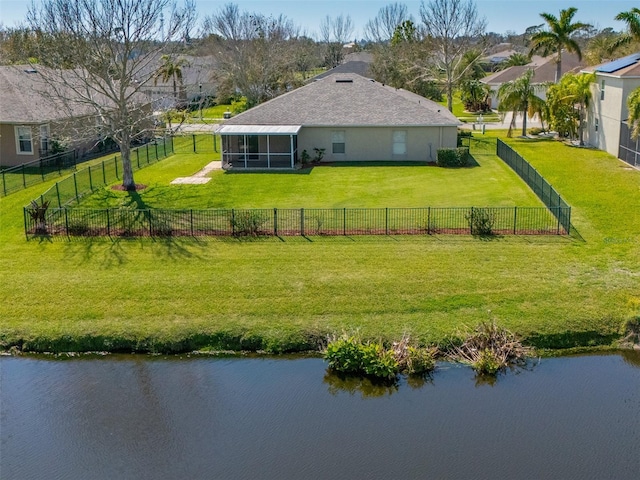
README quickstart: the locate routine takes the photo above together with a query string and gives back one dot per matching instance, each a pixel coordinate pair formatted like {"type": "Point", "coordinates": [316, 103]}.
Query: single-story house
{"type": "Point", "coordinates": [607, 119]}
{"type": "Point", "coordinates": [33, 117]}
{"type": "Point", "coordinates": [197, 83]}
{"type": "Point", "coordinates": [544, 73]}
{"type": "Point", "coordinates": [347, 117]}
{"type": "Point", "coordinates": [358, 63]}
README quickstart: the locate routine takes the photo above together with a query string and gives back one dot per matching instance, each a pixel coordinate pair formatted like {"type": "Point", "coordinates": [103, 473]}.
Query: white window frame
{"type": "Point", "coordinates": [338, 137]}
{"type": "Point", "coordinates": [19, 151]}
{"type": "Point", "coordinates": [45, 138]}
{"type": "Point", "coordinates": [399, 140]}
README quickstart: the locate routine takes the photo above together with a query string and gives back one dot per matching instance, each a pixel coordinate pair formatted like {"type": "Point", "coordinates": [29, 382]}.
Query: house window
{"type": "Point", "coordinates": [24, 144]}
{"type": "Point", "coordinates": [337, 141]}
{"type": "Point", "coordinates": [596, 124]}
{"type": "Point", "coordinates": [602, 90]}
{"type": "Point", "coordinates": [400, 142]}
{"type": "Point", "coordinates": [44, 139]}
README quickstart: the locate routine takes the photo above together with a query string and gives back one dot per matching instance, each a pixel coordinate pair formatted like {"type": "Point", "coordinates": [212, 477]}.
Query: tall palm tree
{"type": "Point", "coordinates": [632, 19]}
{"type": "Point", "coordinates": [633, 104]}
{"type": "Point", "coordinates": [171, 69]}
{"type": "Point", "coordinates": [558, 36]}
{"type": "Point", "coordinates": [519, 96]}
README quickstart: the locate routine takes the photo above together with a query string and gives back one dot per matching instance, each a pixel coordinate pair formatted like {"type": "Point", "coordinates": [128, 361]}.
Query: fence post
{"type": "Point", "coordinates": [24, 179]}
{"type": "Point", "coordinates": [344, 221]}
{"type": "Point", "coordinates": [302, 222]}
{"type": "Point", "coordinates": [147, 145]}
{"type": "Point", "coordinates": [194, 143]}
{"type": "Point", "coordinates": [58, 193]}
{"type": "Point", "coordinates": [41, 171]}
{"type": "Point", "coordinates": [24, 214]}
{"type": "Point", "coordinates": [429, 218]}
{"type": "Point", "coordinates": [115, 162]}
{"type": "Point", "coordinates": [138, 156]}
{"type": "Point", "coordinates": [471, 222]}
{"type": "Point", "coordinates": [515, 219]}
{"type": "Point", "coordinates": [75, 185]}
{"type": "Point", "coordinates": [90, 179]}
{"type": "Point", "coordinates": [215, 143]}
{"type": "Point", "coordinates": [386, 221]}
{"type": "Point", "coordinates": [569, 221]}
{"type": "Point", "coordinates": [558, 216]}
{"type": "Point", "coordinates": [108, 224]}
{"type": "Point", "coordinates": [164, 146]}
{"type": "Point", "coordinates": [66, 221]}
{"type": "Point", "coordinates": [4, 184]}
{"type": "Point", "coordinates": [191, 221]}
{"type": "Point", "coordinates": [275, 222]}
{"type": "Point", "coordinates": [233, 222]}
{"type": "Point", "coordinates": [156, 148]}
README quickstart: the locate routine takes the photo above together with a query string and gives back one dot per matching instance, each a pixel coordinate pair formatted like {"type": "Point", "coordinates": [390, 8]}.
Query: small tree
{"type": "Point", "coordinates": [171, 69]}
{"type": "Point", "coordinates": [519, 96]}
{"type": "Point", "coordinates": [633, 104]}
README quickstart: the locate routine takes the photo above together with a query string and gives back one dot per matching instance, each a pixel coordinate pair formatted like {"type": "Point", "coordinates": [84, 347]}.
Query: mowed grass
{"type": "Point", "coordinates": [490, 183]}
{"type": "Point", "coordinates": [182, 293]}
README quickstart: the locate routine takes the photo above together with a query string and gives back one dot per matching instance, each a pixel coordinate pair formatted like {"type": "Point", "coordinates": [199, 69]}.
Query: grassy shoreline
{"type": "Point", "coordinates": [179, 295]}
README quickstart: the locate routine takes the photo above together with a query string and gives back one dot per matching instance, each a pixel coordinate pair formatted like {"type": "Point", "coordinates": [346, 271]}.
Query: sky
{"type": "Point", "coordinates": [501, 15]}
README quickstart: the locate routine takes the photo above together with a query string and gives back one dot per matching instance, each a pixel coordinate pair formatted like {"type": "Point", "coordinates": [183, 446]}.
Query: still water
{"type": "Point", "coordinates": [137, 417]}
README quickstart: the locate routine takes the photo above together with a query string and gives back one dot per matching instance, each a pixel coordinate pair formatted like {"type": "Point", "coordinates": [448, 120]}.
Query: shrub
{"type": "Point", "coordinates": [536, 131]}
{"type": "Point", "coordinates": [78, 228]}
{"type": "Point", "coordinates": [490, 349]}
{"type": "Point", "coordinates": [344, 355]}
{"type": "Point", "coordinates": [38, 213]}
{"type": "Point", "coordinates": [378, 362]}
{"type": "Point", "coordinates": [319, 154]}
{"type": "Point", "coordinates": [453, 157]}
{"type": "Point", "coordinates": [305, 157]}
{"type": "Point", "coordinates": [481, 221]}
{"type": "Point", "coordinates": [247, 223]}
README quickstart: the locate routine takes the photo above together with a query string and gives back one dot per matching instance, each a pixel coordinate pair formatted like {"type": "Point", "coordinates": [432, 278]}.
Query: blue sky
{"type": "Point", "coordinates": [501, 15]}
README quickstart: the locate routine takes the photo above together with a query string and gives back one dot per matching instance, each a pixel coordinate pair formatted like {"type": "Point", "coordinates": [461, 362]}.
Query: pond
{"type": "Point", "coordinates": [136, 417]}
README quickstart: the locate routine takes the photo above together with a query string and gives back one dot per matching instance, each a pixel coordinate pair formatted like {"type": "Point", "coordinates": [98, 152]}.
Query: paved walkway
{"type": "Point", "coordinates": [201, 177]}
{"type": "Point", "coordinates": [504, 125]}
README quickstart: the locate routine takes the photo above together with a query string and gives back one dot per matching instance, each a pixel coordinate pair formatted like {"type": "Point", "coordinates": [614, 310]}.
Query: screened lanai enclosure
{"type": "Point", "coordinates": [259, 146]}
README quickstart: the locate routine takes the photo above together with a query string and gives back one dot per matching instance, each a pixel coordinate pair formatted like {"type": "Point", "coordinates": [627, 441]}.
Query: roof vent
{"type": "Point", "coordinates": [344, 80]}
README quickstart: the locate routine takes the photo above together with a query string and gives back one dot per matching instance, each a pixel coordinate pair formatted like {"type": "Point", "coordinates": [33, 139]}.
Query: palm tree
{"type": "Point", "coordinates": [558, 36]}
{"type": "Point", "coordinates": [580, 88]}
{"type": "Point", "coordinates": [633, 104]}
{"type": "Point", "coordinates": [171, 69]}
{"type": "Point", "coordinates": [519, 96]}
{"type": "Point", "coordinates": [632, 18]}
{"type": "Point", "coordinates": [514, 60]}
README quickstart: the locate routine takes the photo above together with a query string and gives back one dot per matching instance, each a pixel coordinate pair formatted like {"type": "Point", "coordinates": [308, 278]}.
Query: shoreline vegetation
{"type": "Point", "coordinates": [279, 296]}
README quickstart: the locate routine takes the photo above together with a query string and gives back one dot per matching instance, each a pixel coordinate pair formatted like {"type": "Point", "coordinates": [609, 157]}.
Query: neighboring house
{"type": "Point", "coordinates": [358, 63]}
{"type": "Point", "coordinates": [350, 117]}
{"type": "Point", "coordinates": [30, 117]}
{"type": "Point", "coordinates": [544, 72]}
{"type": "Point", "coordinates": [607, 120]}
{"type": "Point", "coordinates": [196, 83]}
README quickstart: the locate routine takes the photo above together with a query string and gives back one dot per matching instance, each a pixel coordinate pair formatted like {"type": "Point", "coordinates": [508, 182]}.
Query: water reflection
{"type": "Point", "coordinates": [140, 417]}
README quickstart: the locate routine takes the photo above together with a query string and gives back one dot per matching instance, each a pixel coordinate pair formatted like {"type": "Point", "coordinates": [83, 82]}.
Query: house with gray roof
{"type": "Point", "coordinates": [544, 71]}
{"type": "Point", "coordinates": [30, 115]}
{"type": "Point", "coordinates": [348, 117]}
{"type": "Point", "coordinates": [608, 116]}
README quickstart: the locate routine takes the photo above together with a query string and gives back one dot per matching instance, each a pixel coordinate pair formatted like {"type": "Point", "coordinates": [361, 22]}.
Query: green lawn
{"type": "Point", "coordinates": [185, 293]}
{"type": "Point", "coordinates": [491, 183]}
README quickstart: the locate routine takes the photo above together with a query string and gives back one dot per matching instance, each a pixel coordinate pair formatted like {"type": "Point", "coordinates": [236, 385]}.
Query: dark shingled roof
{"type": "Point", "coordinates": [347, 100]}
{"type": "Point", "coordinates": [543, 71]}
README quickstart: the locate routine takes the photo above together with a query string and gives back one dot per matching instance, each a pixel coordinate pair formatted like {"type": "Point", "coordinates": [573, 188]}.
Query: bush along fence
{"type": "Point", "coordinates": [482, 221]}
{"type": "Point", "coordinates": [538, 184]}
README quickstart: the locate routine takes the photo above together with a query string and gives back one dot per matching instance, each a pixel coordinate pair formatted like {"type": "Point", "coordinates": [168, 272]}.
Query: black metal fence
{"type": "Point", "coordinates": [195, 143]}
{"type": "Point", "coordinates": [38, 171]}
{"type": "Point", "coordinates": [543, 189]}
{"type": "Point", "coordinates": [295, 222]}
{"type": "Point", "coordinates": [83, 182]}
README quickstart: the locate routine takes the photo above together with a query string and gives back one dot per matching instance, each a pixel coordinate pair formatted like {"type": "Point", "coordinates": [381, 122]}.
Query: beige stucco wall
{"type": "Point", "coordinates": [376, 143]}
{"type": "Point", "coordinates": [610, 111]}
{"type": "Point", "coordinates": [8, 154]}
